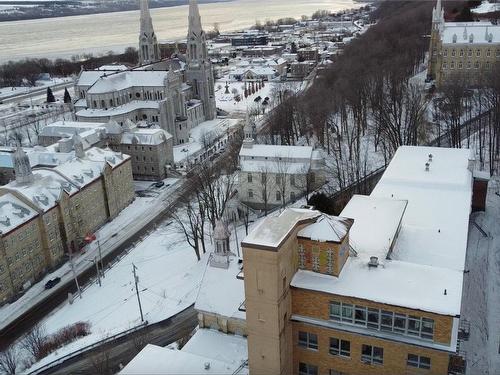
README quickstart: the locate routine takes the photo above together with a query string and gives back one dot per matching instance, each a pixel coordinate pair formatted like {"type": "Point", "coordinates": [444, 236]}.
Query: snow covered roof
{"type": "Point", "coordinates": [429, 253]}
{"type": "Point", "coordinates": [275, 151]}
{"type": "Point", "coordinates": [13, 213]}
{"type": "Point", "coordinates": [396, 283]}
{"type": "Point", "coordinates": [486, 7]}
{"type": "Point", "coordinates": [128, 79]}
{"type": "Point", "coordinates": [376, 223]}
{"type": "Point", "coordinates": [470, 33]}
{"type": "Point", "coordinates": [155, 360]}
{"type": "Point", "coordinates": [272, 231]}
{"type": "Point", "coordinates": [327, 229]}
{"type": "Point", "coordinates": [223, 347]}
{"type": "Point", "coordinates": [435, 225]}
{"type": "Point", "coordinates": [112, 67]}
{"type": "Point", "coordinates": [145, 137]}
{"type": "Point", "coordinates": [59, 128]}
{"type": "Point", "coordinates": [123, 109]}
{"type": "Point", "coordinates": [211, 300]}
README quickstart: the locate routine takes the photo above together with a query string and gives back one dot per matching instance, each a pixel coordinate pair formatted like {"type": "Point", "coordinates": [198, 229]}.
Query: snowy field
{"type": "Point", "coordinates": [227, 102]}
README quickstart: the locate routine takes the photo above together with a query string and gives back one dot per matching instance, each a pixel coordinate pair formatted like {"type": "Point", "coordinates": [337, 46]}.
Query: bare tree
{"type": "Point", "coordinates": [188, 222]}
{"type": "Point", "coordinates": [282, 175]}
{"type": "Point", "coordinates": [266, 187]}
{"type": "Point", "coordinates": [8, 360]}
{"type": "Point", "coordinates": [35, 340]}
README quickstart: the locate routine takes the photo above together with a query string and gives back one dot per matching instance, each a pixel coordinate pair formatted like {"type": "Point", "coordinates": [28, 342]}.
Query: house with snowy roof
{"type": "Point", "coordinates": [46, 212]}
{"type": "Point", "coordinates": [150, 149]}
{"type": "Point", "coordinates": [272, 175]}
{"type": "Point", "coordinates": [377, 290]}
{"type": "Point", "coordinates": [469, 50]}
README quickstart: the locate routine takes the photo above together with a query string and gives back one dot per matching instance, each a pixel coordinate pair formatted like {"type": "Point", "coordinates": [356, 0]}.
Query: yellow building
{"type": "Point", "coordinates": [375, 291]}
{"type": "Point", "coordinates": [463, 50]}
{"type": "Point", "coordinates": [47, 212]}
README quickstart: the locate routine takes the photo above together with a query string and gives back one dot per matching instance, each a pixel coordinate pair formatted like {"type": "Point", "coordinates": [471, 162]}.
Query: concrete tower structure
{"type": "Point", "coordinates": [149, 50]}
{"type": "Point", "coordinates": [199, 71]}
{"type": "Point", "coordinates": [22, 166]}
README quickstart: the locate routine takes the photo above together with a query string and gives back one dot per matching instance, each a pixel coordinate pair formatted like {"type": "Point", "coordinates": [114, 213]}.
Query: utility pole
{"type": "Point", "coordinates": [136, 280]}
{"type": "Point", "coordinates": [97, 270]}
{"type": "Point", "coordinates": [70, 251]}
{"type": "Point", "coordinates": [100, 258]}
{"type": "Point", "coordinates": [236, 238]}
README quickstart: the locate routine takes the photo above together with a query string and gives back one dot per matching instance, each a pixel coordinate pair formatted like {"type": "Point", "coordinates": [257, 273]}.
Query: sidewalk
{"type": "Point", "coordinates": [113, 234]}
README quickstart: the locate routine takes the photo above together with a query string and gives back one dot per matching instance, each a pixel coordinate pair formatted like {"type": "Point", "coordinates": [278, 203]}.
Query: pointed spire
{"type": "Point", "coordinates": [149, 49]}
{"type": "Point", "coordinates": [22, 166]}
{"type": "Point", "coordinates": [195, 28]}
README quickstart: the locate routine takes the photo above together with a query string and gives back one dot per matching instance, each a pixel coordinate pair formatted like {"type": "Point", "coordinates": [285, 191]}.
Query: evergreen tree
{"type": "Point", "coordinates": [50, 96]}
{"type": "Point", "coordinates": [67, 97]}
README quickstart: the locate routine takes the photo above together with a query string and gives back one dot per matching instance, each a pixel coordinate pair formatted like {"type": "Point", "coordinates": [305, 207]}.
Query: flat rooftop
{"type": "Point", "coordinates": [430, 209]}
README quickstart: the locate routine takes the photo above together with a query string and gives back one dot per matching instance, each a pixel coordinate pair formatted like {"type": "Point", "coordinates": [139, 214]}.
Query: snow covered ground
{"type": "Point", "coordinates": [10, 91]}
{"type": "Point", "coordinates": [228, 103]}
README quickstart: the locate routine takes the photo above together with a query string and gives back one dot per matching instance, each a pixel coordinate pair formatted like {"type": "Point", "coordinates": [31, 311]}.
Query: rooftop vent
{"type": "Point", "coordinates": [427, 167]}
{"type": "Point", "coordinates": [5, 220]}
{"type": "Point", "coordinates": [207, 366]}
{"type": "Point", "coordinates": [373, 262]}
{"type": "Point", "coordinates": [430, 158]}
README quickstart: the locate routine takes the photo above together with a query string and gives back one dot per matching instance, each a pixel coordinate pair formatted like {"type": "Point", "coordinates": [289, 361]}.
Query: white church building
{"type": "Point", "coordinates": [175, 100]}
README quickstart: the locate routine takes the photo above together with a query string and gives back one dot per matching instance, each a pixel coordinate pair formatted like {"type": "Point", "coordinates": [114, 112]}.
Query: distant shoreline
{"type": "Point", "coordinates": [65, 8]}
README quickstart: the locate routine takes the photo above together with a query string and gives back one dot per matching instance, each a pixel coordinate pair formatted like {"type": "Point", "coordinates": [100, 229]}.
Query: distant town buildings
{"type": "Point", "coordinates": [150, 149]}
{"type": "Point", "coordinates": [47, 212]}
{"type": "Point", "coordinates": [463, 50]}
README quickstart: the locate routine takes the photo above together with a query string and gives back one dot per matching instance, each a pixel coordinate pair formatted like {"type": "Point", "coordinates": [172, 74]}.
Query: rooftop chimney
{"type": "Point", "coordinates": [373, 262]}
{"type": "Point", "coordinates": [427, 167]}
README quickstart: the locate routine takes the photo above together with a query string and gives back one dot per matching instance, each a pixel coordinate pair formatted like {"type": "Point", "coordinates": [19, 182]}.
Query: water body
{"type": "Point", "coordinates": [67, 36]}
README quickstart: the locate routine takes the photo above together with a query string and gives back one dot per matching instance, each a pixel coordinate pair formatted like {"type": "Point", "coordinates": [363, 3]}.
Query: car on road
{"type": "Point", "coordinates": [159, 184]}
{"type": "Point", "coordinates": [52, 283]}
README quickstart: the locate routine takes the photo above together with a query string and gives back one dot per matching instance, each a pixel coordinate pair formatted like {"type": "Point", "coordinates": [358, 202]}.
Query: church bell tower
{"type": "Point", "coordinates": [149, 50]}
{"type": "Point", "coordinates": [199, 71]}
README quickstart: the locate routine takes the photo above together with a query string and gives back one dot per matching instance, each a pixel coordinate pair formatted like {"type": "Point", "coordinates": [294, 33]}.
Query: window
{"type": "Point", "coordinates": [335, 372]}
{"type": "Point", "coordinates": [292, 196]}
{"type": "Point", "coordinates": [461, 53]}
{"type": "Point", "coordinates": [476, 65]}
{"type": "Point", "coordinates": [453, 53]}
{"type": "Point", "coordinates": [452, 65]}
{"type": "Point", "coordinates": [249, 178]}
{"type": "Point", "coordinates": [278, 195]}
{"type": "Point", "coordinates": [383, 320]}
{"type": "Point", "coordinates": [372, 354]}
{"type": "Point", "coordinates": [347, 312]}
{"type": "Point", "coordinates": [335, 309]}
{"type": "Point", "coordinates": [460, 65]}
{"type": "Point", "coordinates": [278, 180]}
{"type": "Point", "coordinates": [360, 315]}
{"type": "Point", "coordinates": [488, 53]}
{"type": "Point", "coordinates": [478, 53]}
{"type": "Point", "coordinates": [418, 361]}
{"type": "Point", "coordinates": [445, 53]}
{"type": "Point", "coordinates": [292, 180]}
{"type": "Point", "coordinates": [373, 318]}
{"type": "Point", "coordinates": [315, 261]}
{"type": "Point", "coordinates": [306, 369]}
{"type": "Point", "coordinates": [264, 177]}
{"type": "Point", "coordinates": [340, 347]}
{"type": "Point", "coordinates": [445, 66]}
{"type": "Point", "coordinates": [469, 53]}
{"type": "Point", "coordinates": [308, 340]}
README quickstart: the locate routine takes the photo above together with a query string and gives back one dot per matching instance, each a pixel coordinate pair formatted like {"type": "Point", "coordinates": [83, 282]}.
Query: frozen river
{"type": "Point", "coordinates": [63, 37]}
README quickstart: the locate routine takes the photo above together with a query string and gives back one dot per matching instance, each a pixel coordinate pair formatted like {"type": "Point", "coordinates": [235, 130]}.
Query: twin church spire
{"type": "Point", "coordinates": [149, 49]}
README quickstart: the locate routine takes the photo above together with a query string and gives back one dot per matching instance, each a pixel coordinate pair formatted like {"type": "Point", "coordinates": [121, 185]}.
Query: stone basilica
{"type": "Point", "coordinates": [171, 94]}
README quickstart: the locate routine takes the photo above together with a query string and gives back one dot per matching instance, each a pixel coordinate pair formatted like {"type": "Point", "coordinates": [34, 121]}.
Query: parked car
{"type": "Point", "coordinates": [52, 283]}
{"type": "Point", "coordinates": [160, 184]}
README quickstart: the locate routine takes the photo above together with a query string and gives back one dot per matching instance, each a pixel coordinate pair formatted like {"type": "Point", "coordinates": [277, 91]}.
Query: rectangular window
{"type": "Point", "coordinates": [418, 361]}
{"type": "Point", "coordinates": [399, 323]}
{"type": "Point", "coordinates": [347, 312]}
{"type": "Point", "coordinates": [308, 340]}
{"type": "Point", "coordinates": [340, 347]}
{"type": "Point", "coordinates": [307, 369]}
{"type": "Point", "coordinates": [335, 310]}
{"type": "Point", "coordinates": [292, 180]}
{"type": "Point", "coordinates": [360, 315]}
{"type": "Point", "coordinates": [414, 326]}
{"type": "Point", "coordinates": [372, 354]}
{"type": "Point", "coordinates": [373, 318]}
{"type": "Point", "coordinates": [427, 329]}
{"type": "Point", "coordinates": [249, 178]}
{"type": "Point", "coordinates": [386, 320]}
